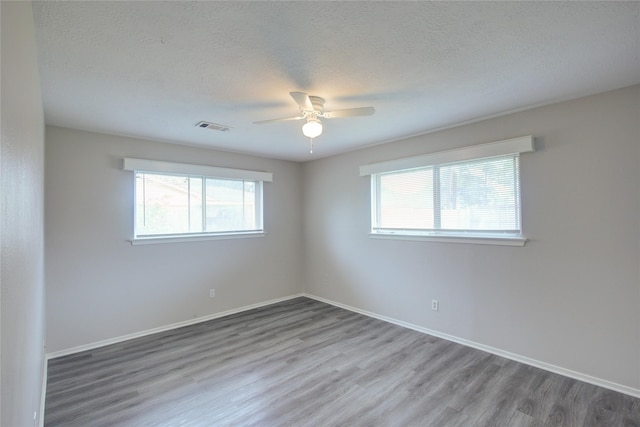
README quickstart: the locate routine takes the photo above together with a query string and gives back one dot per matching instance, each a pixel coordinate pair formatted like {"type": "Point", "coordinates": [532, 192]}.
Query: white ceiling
{"type": "Point", "coordinates": [155, 69]}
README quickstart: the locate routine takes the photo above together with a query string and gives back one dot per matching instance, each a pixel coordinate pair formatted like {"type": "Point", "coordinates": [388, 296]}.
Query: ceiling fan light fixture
{"type": "Point", "coordinates": [312, 129]}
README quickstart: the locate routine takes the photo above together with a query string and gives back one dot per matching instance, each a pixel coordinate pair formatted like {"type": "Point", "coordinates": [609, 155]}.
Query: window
{"type": "Point", "coordinates": [178, 201]}
{"type": "Point", "coordinates": [470, 194]}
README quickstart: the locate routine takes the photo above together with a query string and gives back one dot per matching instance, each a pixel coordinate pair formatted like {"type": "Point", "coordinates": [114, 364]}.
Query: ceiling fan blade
{"type": "Point", "coordinates": [284, 119]}
{"type": "Point", "coordinates": [349, 112]}
{"type": "Point", "coordinates": [302, 99]}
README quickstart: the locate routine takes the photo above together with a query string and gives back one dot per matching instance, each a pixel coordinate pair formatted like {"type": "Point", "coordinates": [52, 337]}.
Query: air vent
{"type": "Point", "coordinates": [213, 126]}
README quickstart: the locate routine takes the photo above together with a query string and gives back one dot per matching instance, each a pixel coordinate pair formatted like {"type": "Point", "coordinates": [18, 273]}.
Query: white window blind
{"type": "Point", "coordinates": [175, 201]}
{"type": "Point", "coordinates": [474, 197]}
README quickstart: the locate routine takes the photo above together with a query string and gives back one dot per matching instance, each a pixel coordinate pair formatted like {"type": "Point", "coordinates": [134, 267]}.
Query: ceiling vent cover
{"type": "Point", "coordinates": [213, 126]}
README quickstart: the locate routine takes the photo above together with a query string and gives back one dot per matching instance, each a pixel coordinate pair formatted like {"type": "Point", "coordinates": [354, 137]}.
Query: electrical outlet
{"type": "Point", "coordinates": [435, 305]}
{"type": "Point", "coordinates": [212, 293]}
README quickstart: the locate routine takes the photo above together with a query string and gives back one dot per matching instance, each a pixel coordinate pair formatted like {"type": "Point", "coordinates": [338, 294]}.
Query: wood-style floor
{"type": "Point", "coordinates": [305, 363]}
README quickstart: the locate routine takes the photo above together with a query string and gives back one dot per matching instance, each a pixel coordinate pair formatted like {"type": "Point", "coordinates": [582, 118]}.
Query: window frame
{"type": "Point", "coordinates": [479, 152]}
{"type": "Point", "coordinates": [203, 172]}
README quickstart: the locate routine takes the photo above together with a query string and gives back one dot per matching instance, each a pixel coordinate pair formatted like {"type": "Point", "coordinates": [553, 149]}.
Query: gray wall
{"type": "Point", "coordinates": [21, 225]}
{"type": "Point", "coordinates": [100, 287]}
{"type": "Point", "coordinates": [570, 297]}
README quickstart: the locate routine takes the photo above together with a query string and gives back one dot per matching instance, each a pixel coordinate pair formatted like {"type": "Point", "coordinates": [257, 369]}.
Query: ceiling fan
{"type": "Point", "coordinates": [312, 109]}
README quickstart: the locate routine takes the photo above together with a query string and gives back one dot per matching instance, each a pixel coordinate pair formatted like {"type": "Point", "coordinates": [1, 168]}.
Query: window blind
{"type": "Point", "coordinates": [473, 191]}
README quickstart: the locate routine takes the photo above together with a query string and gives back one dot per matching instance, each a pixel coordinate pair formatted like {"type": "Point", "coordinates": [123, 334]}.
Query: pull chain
{"type": "Point", "coordinates": [310, 145]}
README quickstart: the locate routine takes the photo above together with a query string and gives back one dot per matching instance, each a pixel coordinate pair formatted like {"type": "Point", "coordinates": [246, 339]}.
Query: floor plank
{"type": "Point", "coordinates": [305, 363]}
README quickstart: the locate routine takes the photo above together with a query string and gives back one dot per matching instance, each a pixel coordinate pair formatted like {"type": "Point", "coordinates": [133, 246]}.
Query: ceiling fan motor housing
{"type": "Point", "coordinates": [318, 103]}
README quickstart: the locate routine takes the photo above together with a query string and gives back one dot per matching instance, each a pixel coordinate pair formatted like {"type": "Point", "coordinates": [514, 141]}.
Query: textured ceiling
{"type": "Point", "coordinates": [155, 69]}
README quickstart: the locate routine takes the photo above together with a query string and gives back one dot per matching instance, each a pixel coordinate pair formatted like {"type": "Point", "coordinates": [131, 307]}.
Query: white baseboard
{"type": "Point", "coordinates": [127, 337]}
{"type": "Point", "coordinates": [498, 352]}
{"type": "Point", "coordinates": [43, 389]}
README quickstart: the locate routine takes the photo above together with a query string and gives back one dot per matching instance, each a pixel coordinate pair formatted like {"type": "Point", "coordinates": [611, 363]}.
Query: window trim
{"type": "Point", "coordinates": [203, 171]}
{"type": "Point", "coordinates": [514, 146]}
{"type": "Point", "coordinates": [181, 238]}
{"type": "Point", "coordinates": [142, 165]}
{"type": "Point", "coordinates": [492, 239]}
{"type": "Point", "coordinates": [523, 144]}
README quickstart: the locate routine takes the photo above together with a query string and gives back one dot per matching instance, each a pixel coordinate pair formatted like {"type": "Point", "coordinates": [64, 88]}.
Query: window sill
{"type": "Point", "coordinates": [453, 238]}
{"type": "Point", "coordinates": [194, 238]}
